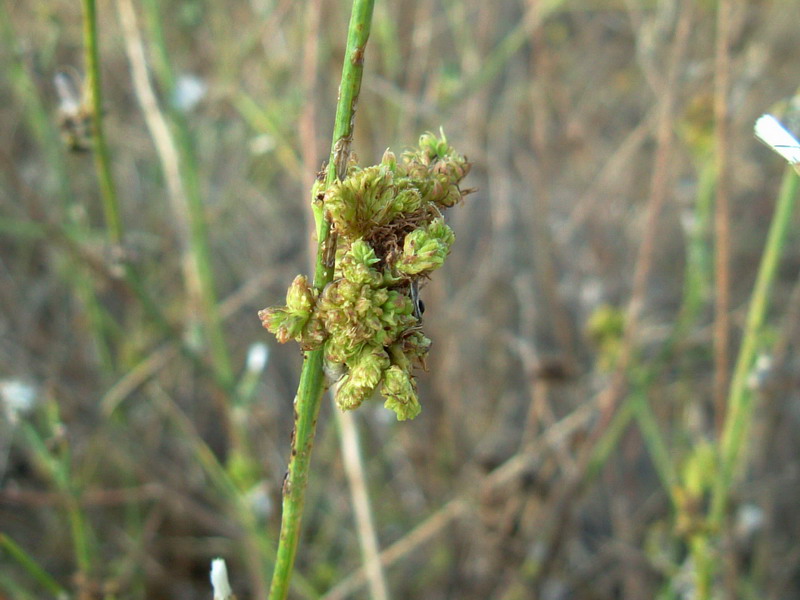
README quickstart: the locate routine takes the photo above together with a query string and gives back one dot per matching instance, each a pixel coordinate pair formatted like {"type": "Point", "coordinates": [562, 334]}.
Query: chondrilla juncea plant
{"type": "Point", "coordinates": [380, 230]}
{"type": "Point", "coordinates": [131, 269]}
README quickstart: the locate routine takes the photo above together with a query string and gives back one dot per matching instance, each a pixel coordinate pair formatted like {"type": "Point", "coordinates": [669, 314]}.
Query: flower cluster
{"type": "Point", "coordinates": [390, 234]}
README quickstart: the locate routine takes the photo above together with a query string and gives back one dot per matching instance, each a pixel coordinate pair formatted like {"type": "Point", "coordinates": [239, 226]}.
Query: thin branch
{"type": "Point", "coordinates": [722, 212]}
{"type": "Point", "coordinates": [108, 189]}
{"type": "Point", "coordinates": [354, 468]}
{"type": "Point", "coordinates": [309, 392]}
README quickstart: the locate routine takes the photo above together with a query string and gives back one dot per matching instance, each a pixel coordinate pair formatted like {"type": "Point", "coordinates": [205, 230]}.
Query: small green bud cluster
{"type": "Point", "coordinates": [606, 328]}
{"type": "Point", "coordinates": [425, 249]}
{"type": "Point", "coordinates": [390, 233]}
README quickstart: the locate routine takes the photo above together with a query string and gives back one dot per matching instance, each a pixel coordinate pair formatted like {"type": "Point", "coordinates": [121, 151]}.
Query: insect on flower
{"type": "Point", "coordinates": [74, 117]}
{"type": "Point", "coordinates": [418, 304]}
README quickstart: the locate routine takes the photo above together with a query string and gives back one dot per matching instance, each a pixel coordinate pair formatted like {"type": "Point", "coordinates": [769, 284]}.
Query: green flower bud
{"type": "Point", "coordinates": [415, 171]}
{"type": "Point", "coordinates": [341, 204]}
{"type": "Point", "coordinates": [439, 190]}
{"type": "Point", "coordinates": [366, 371]}
{"type": "Point", "coordinates": [368, 368]}
{"type": "Point", "coordinates": [400, 393]}
{"type": "Point", "coordinates": [352, 313]}
{"type": "Point", "coordinates": [341, 349]}
{"type": "Point", "coordinates": [313, 334]}
{"type": "Point", "coordinates": [356, 264]}
{"type": "Point", "coordinates": [455, 168]}
{"type": "Point", "coordinates": [414, 348]}
{"type": "Point", "coordinates": [441, 231]}
{"type": "Point", "coordinates": [432, 147]}
{"type": "Point", "coordinates": [389, 160]}
{"type": "Point", "coordinates": [363, 253]}
{"type": "Point", "coordinates": [425, 249]}
{"type": "Point", "coordinates": [410, 351]}
{"type": "Point", "coordinates": [362, 201]}
{"type": "Point", "coordinates": [338, 294]}
{"type": "Point", "coordinates": [365, 318]}
{"type": "Point", "coordinates": [284, 324]}
{"type": "Point", "coordinates": [395, 312]}
{"type": "Point", "coordinates": [294, 321]}
{"type": "Point", "coordinates": [300, 297]}
{"type": "Point", "coordinates": [349, 396]}
{"type": "Point", "coordinates": [407, 202]}
{"type": "Point", "coordinates": [376, 190]}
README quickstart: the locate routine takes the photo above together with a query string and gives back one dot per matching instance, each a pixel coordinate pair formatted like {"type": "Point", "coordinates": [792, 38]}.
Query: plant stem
{"type": "Point", "coordinates": [352, 458]}
{"type": "Point", "coordinates": [722, 216]}
{"type": "Point", "coordinates": [57, 463]}
{"type": "Point", "coordinates": [309, 392]}
{"type": "Point", "coordinates": [29, 564]}
{"type": "Point", "coordinates": [102, 159]}
{"type": "Point", "coordinates": [739, 409]}
{"type": "Point", "coordinates": [219, 356]}
{"type": "Point", "coordinates": [740, 400]}
{"type": "Point", "coordinates": [200, 277]}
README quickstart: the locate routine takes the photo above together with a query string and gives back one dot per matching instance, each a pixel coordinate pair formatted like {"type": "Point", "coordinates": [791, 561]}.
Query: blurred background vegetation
{"type": "Point", "coordinates": [577, 387]}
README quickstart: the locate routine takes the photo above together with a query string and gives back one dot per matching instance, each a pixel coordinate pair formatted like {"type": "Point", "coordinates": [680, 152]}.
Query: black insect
{"type": "Point", "coordinates": [418, 304]}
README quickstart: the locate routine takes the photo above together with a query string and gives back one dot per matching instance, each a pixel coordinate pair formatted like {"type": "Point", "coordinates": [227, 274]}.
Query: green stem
{"type": "Point", "coordinates": [29, 564]}
{"type": "Point", "coordinates": [740, 400]}
{"type": "Point", "coordinates": [309, 392]}
{"type": "Point", "coordinates": [654, 439]}
{"type": "Point", "coordinates": [102, 160]}
{"type": "Point", "coordinates": [258, 546]}
{"type": "Point", "coordinates": [695, 292]}
{"type": "Point", "coordinates": [703, 558]}
{"type": "Point", "coordinates": [57, 463]}
{"type": "Point", "coordinates": [698, 270]}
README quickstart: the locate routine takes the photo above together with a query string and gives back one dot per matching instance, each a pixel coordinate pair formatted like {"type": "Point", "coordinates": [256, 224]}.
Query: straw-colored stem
{"type": "Point", "coordinates": [368, 539]}
{"type": "Point", "coordinates": [309, 393]}
{"type": "Point", "coordinates": [201, 281]}
{"type": "Point", "coordinates": [108, 188]}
